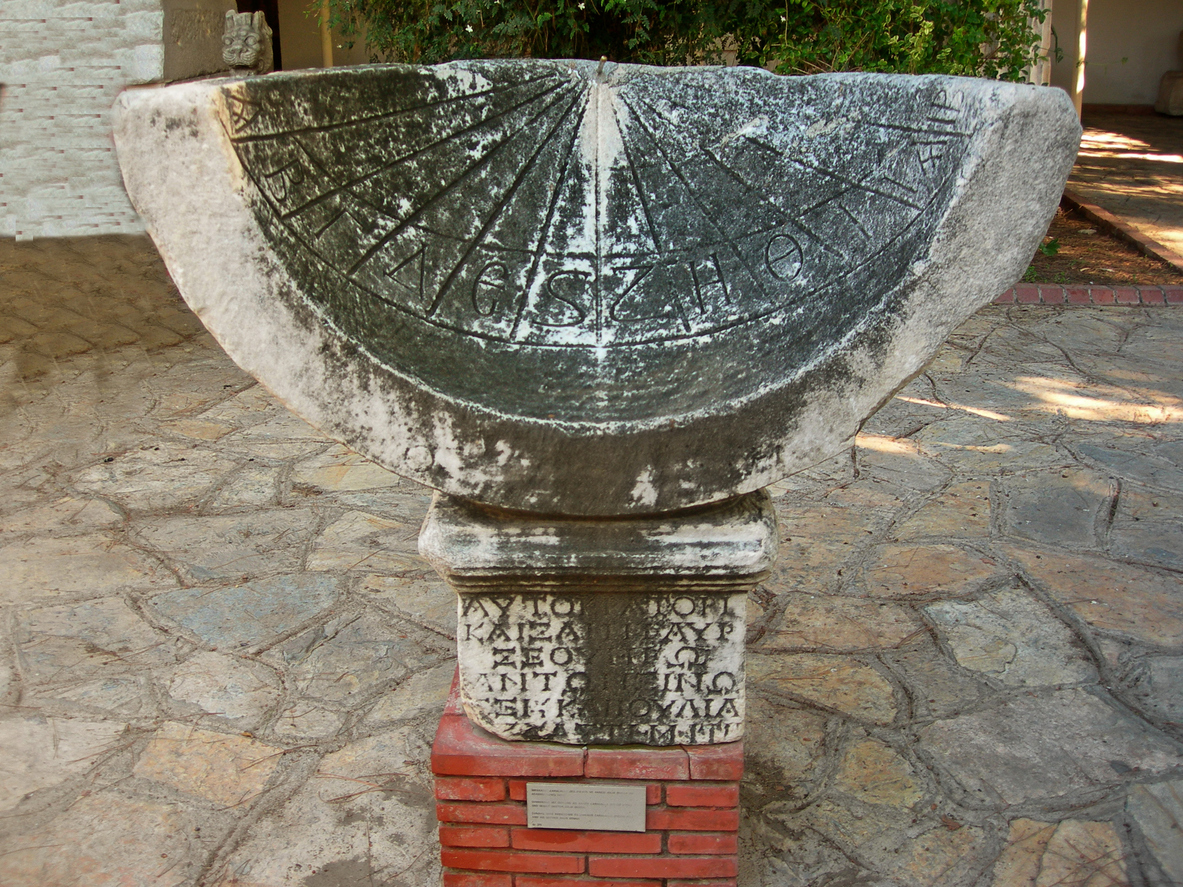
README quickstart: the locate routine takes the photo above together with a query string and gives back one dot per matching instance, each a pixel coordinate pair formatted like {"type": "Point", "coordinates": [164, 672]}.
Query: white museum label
{"type": "Point", "coordinates": [609, 808]}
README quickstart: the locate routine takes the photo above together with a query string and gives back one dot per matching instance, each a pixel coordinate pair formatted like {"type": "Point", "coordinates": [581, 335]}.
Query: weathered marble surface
{"type": "Point", "coordinates": [603, 631]}
{"type": "Point", "coordinates": [604, 668]}
{"type": "Point", "coordinates": [540, 287]}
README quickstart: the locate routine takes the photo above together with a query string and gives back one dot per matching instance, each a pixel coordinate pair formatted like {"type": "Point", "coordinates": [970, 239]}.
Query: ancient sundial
{"type": "Point", "coordinates": [581, 289]}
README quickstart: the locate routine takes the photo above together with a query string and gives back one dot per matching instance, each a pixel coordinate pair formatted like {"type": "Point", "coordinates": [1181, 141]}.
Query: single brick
{"type": "Point", "coordinates": [714, 882]}
{"type": "Point", "coordinates": [1051, 295]}
{"type": "Point", "coordinates": [474, 836]}
{"type": "Point", "coordinates": [1173, 294]}
{"type": "Point", "coordinates": [722, 761]}
{"type": "Point", "coordinates": [543, 881]}
{"type": "Point", "coordinates": [477, 879]}
{"type": "Point", "coordinates": [1126, 295]}
{"type": "Point", "coordinates": [462, 749]}
{"type": "Point", "coordinates": [459, 789]}
{"type": "Point", "coordinates": [1152, 295]}
{"type": "Point", "coordinates": [1026, 292]}
{"type": "Point", "coordinates": [496, 814]}
{"type": "Point", "coordinates": [1005, 298]}
{"type": "Point", "coordinates": [1099, 295]}
{"type": "Point", "coordinates": [571, 841]}
{"type": "Point", "coordinates": [511, 861]}
{"type": "Point", "coordinates": [662, 867]}
{"type": "Point", "coordinates": [700, 842]}
{"type": "Point", "coordinates": [517, 789]}
{"type": "Point", "coordinates": [692, 819]}
{"type": "Point", "coordinates": [1078, 296]}
{"type": "Point", "coordinates": [632, 763]}
{"type": "Point", "coordinates": [699, 795]}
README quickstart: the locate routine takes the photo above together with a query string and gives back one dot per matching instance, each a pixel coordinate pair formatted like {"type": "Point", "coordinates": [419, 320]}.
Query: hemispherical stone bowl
{"type": "Point", "coordinates": [586, 289]}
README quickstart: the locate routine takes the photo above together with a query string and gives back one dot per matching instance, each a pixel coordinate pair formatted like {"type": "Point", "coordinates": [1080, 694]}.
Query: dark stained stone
{"type": "Point", "coordinates": [549, 288]}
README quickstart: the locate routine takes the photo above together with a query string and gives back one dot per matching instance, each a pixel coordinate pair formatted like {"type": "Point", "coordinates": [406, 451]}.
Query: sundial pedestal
{"type": "Point", "coordinates": [620, 631]}
{"type": "Point", "coordinates": [596, 652]}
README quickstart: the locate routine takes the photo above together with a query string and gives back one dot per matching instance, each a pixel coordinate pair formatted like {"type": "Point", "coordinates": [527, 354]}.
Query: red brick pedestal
{"type": "Point", "coordinates": [480, 786]}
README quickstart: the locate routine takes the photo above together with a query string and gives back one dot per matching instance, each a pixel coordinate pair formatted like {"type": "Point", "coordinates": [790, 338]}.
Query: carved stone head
{"type": "Point", "coordinates": [246, 43]}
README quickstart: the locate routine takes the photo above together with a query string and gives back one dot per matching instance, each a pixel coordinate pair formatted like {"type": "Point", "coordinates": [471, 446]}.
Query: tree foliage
{"type": "Point", "coordinates": [989, 38]}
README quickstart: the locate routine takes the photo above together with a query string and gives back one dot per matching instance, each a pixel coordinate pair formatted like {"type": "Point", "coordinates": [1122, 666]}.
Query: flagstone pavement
{"type": "Point", "coordinates": [222, 659]}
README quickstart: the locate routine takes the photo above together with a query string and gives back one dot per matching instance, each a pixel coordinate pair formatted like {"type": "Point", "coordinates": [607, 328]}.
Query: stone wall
{"type": "Point", "coordinates": [62, 64]}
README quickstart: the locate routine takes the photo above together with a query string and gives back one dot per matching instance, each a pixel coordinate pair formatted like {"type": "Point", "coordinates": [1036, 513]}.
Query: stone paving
{"type": "Point", "coordinates": [1132, 166]}
{"type": "Point", "coordinates": [222, 660]}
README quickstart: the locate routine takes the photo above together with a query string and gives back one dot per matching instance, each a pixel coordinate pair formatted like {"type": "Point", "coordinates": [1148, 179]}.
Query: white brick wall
{"type": "Point", "coordinates": [62, 65]}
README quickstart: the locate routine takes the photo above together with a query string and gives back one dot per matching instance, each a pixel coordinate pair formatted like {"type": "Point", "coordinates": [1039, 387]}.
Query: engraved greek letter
{"type": "Point", "coordinates": [627, 316]}
{"type": "Point", "coordinates": [708, 281]}
{"type": "Point", "coordinates": [408, 274]}
{"type": "Point", "coordinates": [782, 255]}
{"type": "Point", "coordinates": [563, 291]}
{"type": "Point", "coordinates": [284, 179]}
{"type": "Point", "coordinates": [490, 293]}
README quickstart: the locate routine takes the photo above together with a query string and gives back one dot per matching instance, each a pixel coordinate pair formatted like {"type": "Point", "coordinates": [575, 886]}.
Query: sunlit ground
{"type": "Point", "coordinates": [1132, 166]}
{"type": "Point", "coordinates": [1097, 143]}
{"type": "Point", "coordinates": [1060, 397]}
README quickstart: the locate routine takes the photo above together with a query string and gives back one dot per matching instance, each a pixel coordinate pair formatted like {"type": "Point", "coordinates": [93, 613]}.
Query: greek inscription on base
{"type": "Point", "coordinates": [658, 669]}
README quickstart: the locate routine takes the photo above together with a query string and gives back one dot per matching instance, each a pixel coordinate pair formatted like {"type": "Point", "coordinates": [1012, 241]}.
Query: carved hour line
{"type": "Point", "coordinates": [819, 240]}
{"type": "Point", "coordinates": [905, 186]}
{"type": "Point", "coordinates": [544, 230]}
{"type": "Point", "coordinates": [798, 222]}
{"type": "Point", "coordinates": [325, 227]}
{"type": "Point", "coordinates": [419, 256]}
{"type": "Point", "coordinates": [679, 308]}
{"type": "Point", "coordinates": [862, 186]}
{"type": "Point", "coordinates": [361, 121]}
{"type": "Point", "coordinates": [349, 184]}
{"type": "Point", "coordinates": [632, 168]}
{"type": "Point", "coordinates": [239, 118]}
{"type": "Point", "coordinates": [827, 200]}
{"type": "Point", "coordinates": [435, 198]}
{"type": "Point", "coordinates": [918, 130]}
{"type": "Point", "coordinates": [762, 145]}
{"type": "Point", "coordinates": [499, 205]}
{"type": "Point", "coordinates": [706, 215]}
{"type": "Point", "coordinates": [853, 218]}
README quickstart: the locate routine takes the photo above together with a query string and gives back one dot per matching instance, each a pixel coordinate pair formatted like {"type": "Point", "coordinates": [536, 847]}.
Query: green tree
{"type": "Point", "coordinates": [989, 38]}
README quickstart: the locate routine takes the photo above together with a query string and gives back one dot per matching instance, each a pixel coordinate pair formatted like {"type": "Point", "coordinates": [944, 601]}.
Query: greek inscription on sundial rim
{"type": "Point", "coordinates": [563, 210]}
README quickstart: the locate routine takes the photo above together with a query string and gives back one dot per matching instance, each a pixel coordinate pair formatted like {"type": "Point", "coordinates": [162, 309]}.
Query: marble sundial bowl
{"type": "Point", "coordinates": [555, 289]}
